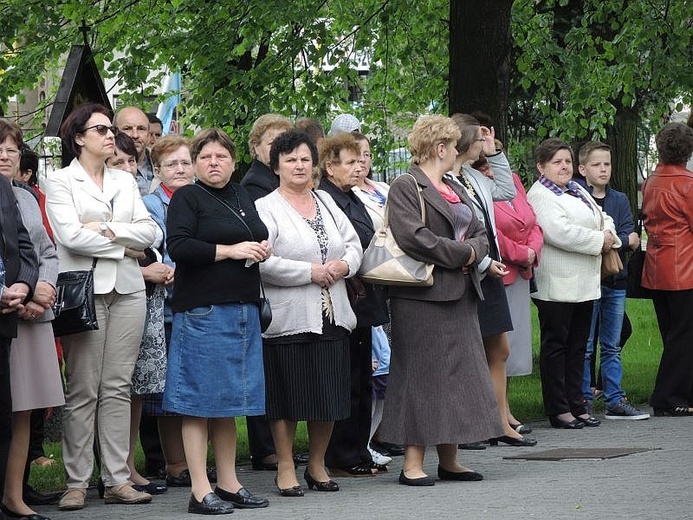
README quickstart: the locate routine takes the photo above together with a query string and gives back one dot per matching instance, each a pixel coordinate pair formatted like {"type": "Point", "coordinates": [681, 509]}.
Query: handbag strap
{"type": "Point", "coordinates": [421, 203]}
{"type": "Point", "coordinates": [227, 206]}
{"type": "Point", "coordinates": [252, 236]}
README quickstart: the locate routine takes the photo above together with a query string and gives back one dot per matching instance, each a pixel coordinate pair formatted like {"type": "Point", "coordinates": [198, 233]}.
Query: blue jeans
{"type": "Point", "coordinates": [609, 310]}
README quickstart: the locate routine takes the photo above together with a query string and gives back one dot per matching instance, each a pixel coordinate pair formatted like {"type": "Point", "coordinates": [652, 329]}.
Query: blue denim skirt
{"type": "Point", "coordinates": [215, 362]}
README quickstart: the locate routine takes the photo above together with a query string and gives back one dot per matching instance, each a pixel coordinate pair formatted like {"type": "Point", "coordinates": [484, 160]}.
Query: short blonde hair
{"type": "Point", "coordinates": [264, 123]}
{"type": "Point", "coordinates": [330, 148]}
{"type": "Point", "coordinates": [429, 132]}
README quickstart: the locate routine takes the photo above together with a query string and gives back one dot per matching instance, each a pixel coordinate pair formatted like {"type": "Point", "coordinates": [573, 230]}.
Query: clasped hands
{"type": "Point", "coordinates": [609, 240]}
{"type": "Point", "coordinates": [327, 274]}
{"type": "Point", "coordinates": [253, 251]}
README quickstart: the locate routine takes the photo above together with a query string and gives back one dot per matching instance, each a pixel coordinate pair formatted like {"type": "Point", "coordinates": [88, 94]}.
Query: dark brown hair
{"type": "Point", "coordinates": [10, 129]}
{"type": "Point", "coordinates": [74, 124]}
{"type": "Point", "coordinates": [545, 150]}
{"type": "Point", "coordinates": [211, 135]}
{"type": "Point", "coordinates": [674, 143]}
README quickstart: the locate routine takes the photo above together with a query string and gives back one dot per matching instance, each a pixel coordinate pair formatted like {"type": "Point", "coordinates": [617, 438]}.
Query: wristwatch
{"type": "Point", "coordinates": [103, 228]}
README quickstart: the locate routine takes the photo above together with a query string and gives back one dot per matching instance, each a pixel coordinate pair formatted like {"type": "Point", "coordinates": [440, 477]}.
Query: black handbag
{"type": "Point", "coordinates": [74, 306]}
{"type": "Point", "coordinates": [634, 288]}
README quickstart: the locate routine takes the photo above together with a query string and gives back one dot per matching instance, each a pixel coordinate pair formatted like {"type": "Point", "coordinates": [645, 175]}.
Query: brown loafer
{"type": "Point", "coordinates": [72, 499]}
{"type": "Point", "coordinates": [125, 494]}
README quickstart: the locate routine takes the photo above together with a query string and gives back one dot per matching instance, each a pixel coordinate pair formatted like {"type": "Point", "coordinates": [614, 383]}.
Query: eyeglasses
{"type": "Point", "coordinates": [173, 164]}
{"type": "Point", "coordinates": [102, 129]}
{"type": "Point", "coordinates": [10, 152]}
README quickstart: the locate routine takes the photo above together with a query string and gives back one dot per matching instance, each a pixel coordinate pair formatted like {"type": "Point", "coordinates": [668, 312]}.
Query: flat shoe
{"type": "Point", "coordinates": [125, 494]}
{"type": "Point", "coordinates": [151, 488]}
{"type": "Point", "coordinates": [242, 499]}
{"type": "Point", "coordinates": [464, 476]}
{"type": "Point", "coordinates": [591, 422]}
{"type": "Point", "coordinates": [421, 481]}
{"type": "Point", "coordinates": [8, 513]}
{"type": "Point", "coordinates": [72, 499]}
{"type": "Point", "coordinates": [565, 425]}
{"type": "Point", "coordinates": [471, 446]}
{"type": "Point", "coordinates": [674, 411]}
{"type": "Point", "coordinates": [211, 504]}
{"type": "Point", "coordinates": [522, 429]}
{"type": "Point", "coordinates": [358, 470]}
{"type": "Point", "coordinates": [523, 442]}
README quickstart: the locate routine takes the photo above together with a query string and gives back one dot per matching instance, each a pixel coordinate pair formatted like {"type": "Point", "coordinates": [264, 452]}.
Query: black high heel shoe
{"type": "Point", "coordinates": [330, 485]}
{"type": "Point", "coordinates": [512, 441]}
{"type": "Point", "coordinates": [294, 491]}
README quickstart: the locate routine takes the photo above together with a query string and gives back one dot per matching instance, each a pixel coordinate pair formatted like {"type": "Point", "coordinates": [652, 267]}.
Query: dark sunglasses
{"type": "Point", "coordinates": [102, 129]}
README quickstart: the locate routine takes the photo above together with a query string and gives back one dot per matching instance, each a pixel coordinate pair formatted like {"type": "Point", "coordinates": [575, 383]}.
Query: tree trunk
{"type": "Point", "coordinates": [622, 137]}
{"type": "Point", "coordinates": [480, 43]}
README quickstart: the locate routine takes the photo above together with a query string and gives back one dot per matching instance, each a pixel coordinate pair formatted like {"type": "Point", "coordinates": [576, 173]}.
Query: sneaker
{"type": "Point", "coordinates": [379, 458]}
{"type": "Point", "coordinates": [625, 411]}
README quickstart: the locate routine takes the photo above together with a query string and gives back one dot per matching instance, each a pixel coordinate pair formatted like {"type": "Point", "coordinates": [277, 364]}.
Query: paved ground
{"type": "Point", "coordinates": [650, 485]}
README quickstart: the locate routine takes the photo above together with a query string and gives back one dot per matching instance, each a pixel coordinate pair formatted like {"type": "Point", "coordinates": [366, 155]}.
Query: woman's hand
{"type": "Point", "coordinates": [13, 296]}
{"type": "Point", "coordinates": [134, 253]}
{"type": "Point", "coordinates": [472, 258]}
{"type": "Point", "coordinates": [158, 273]}
{"type": "Point", "coordinates": [531, 257]}
{"type": "Point", "coordinates": [44, 295]}
{"type": "Point", "coordinates": [338, 268]}
{"type": "Point", "coordinates": [633, 241]}
{"type": "Point", "coordinates": [255, 251]}
{"type": "Point", "coordinates": [321, 275]}
{"type": "Point", "coordinates": [609, 240]}
{"type": "Point", "coordinates": [31, 311]}
{"type": "Point", "coordinates": [489, 135]}
{"type": "Point", "coordinates": [496, 269]}
{"type": "Point", "coordinates": [96, 228]}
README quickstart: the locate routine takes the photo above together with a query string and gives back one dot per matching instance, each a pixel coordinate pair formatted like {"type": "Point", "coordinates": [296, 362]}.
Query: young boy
{"type": "Point", "coordinates": [595, 166]}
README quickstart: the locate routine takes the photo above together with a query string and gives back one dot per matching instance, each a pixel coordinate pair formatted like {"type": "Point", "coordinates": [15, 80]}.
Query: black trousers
{"type": "Point", "coordinates": [349, 443]}
{"type": "Point", "coordinates": [674, 383]}
{"type": "Point", "coordinates": [260, 441]}
{"type": "Point", "coordinates": [5, 406]}
{"type": "Point", "coordinates": [565, 329]}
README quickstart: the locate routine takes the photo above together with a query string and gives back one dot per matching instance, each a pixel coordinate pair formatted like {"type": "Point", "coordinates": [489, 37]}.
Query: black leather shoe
{"type": "Point", "coordinates": [464, 476]}
{"type": "Point", "coordinates": [243, 499]}
{"type": "Point", "coordinates": [294, 491]}
{"type": "Point", "coordinates": [300, 458]}
{"type": "Point", "coordinates": [362, 469]}
{"type": "Point", "coordinates": [589, 421]}
{"type": "Point", "coordinates": [259, 465]}
{"type": "Point", "coordinates": [11, 514]}
{"type": "Point", "coordinates": [211, 505]}
{"type": "Point", "coordinates": [389, 449]}
{"type": "Point", "coordinates": [520, 428]}
{"type": "Point", "coordinates": [421, 481]}
{"type": "Point", "coordinates": [32, 497]}
{"type": "Point", "coordinates": [182, 480]}
{"type": "Point", "coordinates": [330, 485]}
{"type": "Point", "coordinates": [565, 425]}
{"type": "Point", "coordinates": [512, 441]}
{"type": "Point", "coordinates": [471, 446]}
{"type": "Point", "coordinates": [151, 488]}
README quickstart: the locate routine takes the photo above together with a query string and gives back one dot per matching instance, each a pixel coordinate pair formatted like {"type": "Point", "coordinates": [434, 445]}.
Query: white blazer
{"type": "Point", "coordinates": [73, 199]}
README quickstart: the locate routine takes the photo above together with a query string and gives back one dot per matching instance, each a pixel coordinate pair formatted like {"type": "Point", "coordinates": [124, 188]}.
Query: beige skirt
{"type": "Point", "coordinates": [34, 371]}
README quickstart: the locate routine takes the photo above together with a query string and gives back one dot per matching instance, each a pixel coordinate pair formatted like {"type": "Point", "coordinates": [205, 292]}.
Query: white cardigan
{"type": "Point", "coordinates": [570, 267]}
{"type": "Point", "coordinates": [295, 300]}
{"type": "Point", "coordinates": [74, 199]}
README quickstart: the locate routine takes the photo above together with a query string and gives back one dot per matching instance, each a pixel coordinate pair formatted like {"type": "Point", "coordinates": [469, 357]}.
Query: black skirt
{"type": "Point", "coordinates": [307, 380]}
{"type": "Point", "coordinates": [494, 313]}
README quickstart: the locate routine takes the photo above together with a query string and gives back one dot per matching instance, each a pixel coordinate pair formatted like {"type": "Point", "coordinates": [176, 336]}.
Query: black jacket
{"type": "Point", "coordinates": [259, 180]}
{"type": "Point", "coordinates": [372, 310]}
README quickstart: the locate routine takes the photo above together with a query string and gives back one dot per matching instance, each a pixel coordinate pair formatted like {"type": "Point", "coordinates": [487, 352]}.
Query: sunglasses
{"type": "Point", "coordinates": [102, 129]}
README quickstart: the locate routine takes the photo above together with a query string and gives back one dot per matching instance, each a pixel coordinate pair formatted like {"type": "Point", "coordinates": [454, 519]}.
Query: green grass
{"type": "Point", "coordinates": [640, 361]}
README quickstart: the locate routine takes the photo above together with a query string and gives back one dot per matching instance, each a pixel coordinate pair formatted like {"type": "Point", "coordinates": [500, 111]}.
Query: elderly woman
{"type": "Point", "coordinates": [576, 233]}
{"type": "Point", "coordinates": [215, 373]}
{"type": "Point", "coordinates": [494, 314]}
{"type": "Point", "coordinates": [306, 346]}
{"type": "Point", "coordinates": [439, 391]}
{"type": "Point", "coordinates": [34, 371]}
{"type": "Point", "coordinates": [669, 223]}
{"type": "Point", "coordinates": [98, 218]}
{"type": "Point", "coordinates": [260, 180]}
{"type": "Point", "coordinates": [173, 168]}
{"type": "Point", "coordinates": [347, 455]}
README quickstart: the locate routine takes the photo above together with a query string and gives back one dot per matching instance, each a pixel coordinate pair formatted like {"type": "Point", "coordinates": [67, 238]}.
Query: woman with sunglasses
{"type": "Point", "coordinates": [98, 218]}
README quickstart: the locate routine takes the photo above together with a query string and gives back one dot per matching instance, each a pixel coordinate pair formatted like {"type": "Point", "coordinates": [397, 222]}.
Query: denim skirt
{"type": "Point", "coordinates": [215, 362]}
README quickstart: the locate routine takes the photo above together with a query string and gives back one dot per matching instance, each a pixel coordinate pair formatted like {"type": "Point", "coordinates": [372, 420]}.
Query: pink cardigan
{"type": "Point", "coordinates": [517, 231]}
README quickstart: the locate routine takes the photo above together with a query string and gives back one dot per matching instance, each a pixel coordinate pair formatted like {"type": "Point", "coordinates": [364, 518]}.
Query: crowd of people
{"type": "Point", "coordinates": [184, 258]}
